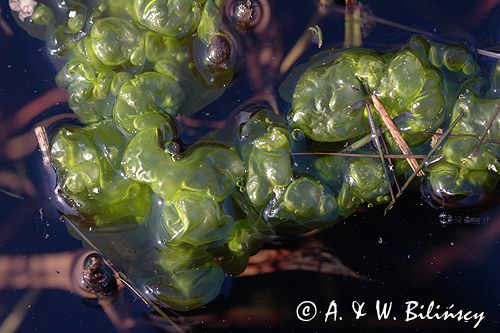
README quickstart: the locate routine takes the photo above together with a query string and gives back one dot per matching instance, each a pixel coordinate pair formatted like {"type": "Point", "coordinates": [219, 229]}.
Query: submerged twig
{"type": "Point", "coordinates": [421, 165]}
{"type": "Point", "coordinates": [11, 194]}
{"type": "Point", "coordinates": [5, 26]}
{"type": "Point", "coordinates": [303, 42]}
{"type": "Point", "coordinates": [312, 257]}
{"type": "Point", "coordinates": [246, 317]}
{"type": "Point", "coordinates": [376, 19]}
{"type": "Point", "coordinates": [352, 32]}
{"type": "Point", "coordinates": [297, 50]}
{"type": "Point", "coordinates": [15, 185]}
{"type": "Point", "coordinates": [395, 134]}
{"type": "Point", "coordinates": [31, 110]}
{"type": "Point", "coordinates": [25, 144]}
{"type": "Point", "coordinates": [16, 317]}
{"type": "Point", "coordinates": [342, 10]}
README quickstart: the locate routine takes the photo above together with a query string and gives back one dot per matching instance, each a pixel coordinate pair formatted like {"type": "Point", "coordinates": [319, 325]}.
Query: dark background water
{"type": "Point", "coordinates": [408, 254]}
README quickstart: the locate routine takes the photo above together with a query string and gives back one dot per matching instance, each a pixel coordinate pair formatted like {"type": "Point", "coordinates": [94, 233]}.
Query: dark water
{"type": "Point", "coordinates": [408, 255]}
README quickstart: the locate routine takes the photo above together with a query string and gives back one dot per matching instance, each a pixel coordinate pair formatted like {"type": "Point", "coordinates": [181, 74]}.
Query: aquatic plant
{"type": "Point", "coordinates": [194, 214]}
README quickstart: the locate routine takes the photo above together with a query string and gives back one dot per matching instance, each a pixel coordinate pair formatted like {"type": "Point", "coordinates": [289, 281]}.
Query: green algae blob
{"type": "Point", "coordinates": [178, 219]}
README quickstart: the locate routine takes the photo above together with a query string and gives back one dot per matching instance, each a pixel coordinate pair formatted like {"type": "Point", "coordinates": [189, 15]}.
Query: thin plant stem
{"type": "Point", "coordinates": [358, 144]}
{"type": "Point", "coordinates": [16, 317]}
{"type": "Point", "coordinates": [488, 53]}
{"type": "Point", "coordinates": [395, 134]}
{"type": "Point", "coordinates": [368, 138]}
{"type": "Point", "coordinates": [391, 165]}
{"type": "Point", "coordinates": [301, 45]}
{"type": "Point", "coordinates": [352, 30]}
{"type": "Point", "coordinates": [342, 10]}
{"type": "Point", "coordinates": [396, 156]}
{"type": "Point", "coordinates": [376, 19]}
{"type": "Point", "coordinates": [375, 134]}
{"type": "Point", "coordinates": [10, 194]}
{"type": "Point", "coordinates": [424, 161]}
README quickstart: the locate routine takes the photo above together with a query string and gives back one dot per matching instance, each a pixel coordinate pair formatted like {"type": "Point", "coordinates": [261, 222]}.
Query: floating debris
{"type": "Point", "coordinates": [317, 35]}
{"type": "Point", "coordinates": [24, 8]}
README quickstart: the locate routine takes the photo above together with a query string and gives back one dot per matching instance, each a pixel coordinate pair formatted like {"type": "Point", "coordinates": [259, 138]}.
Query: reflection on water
{"type": "Point", "coordinates": [397, 266]}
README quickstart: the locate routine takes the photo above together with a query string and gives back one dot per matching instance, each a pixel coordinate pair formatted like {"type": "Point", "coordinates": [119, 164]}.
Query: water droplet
{"type": "Point", "coordinates": [297, 134]}
{"type": "Point", "coordinates": [240, 182]}
{"type": "Point", "coordinates": [173, 148]}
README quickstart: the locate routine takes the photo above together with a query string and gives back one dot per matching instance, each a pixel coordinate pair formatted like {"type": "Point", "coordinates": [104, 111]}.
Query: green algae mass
{"type": "Point", "coordinates": [267, 150]}
{"type": "Point", "coordinates": [180, 218]}
{"type": "Point", "coordinates": [115, 42]}
{"type": "Point", "coordinates": [147, 101]}
{"type": "Point", "coordinates": [307, 203]}
{"type": "Point", "coordinates": [174, 18]}
{"type": "Point", "coordinates": [88, 170]}
{"type": "Point", "coordinates": [208, 171]}
{"type": "Point", "coordinates": [196, 221]}
{"type": "Point", "coordinates": [410, 86]}
{"type": "Point", "coordinates": [329, 101]}
{"type": "Point", "coordinates": [365, 182]}
{"type": "Point", "coordinates": [355, 180]}
{"type": "Point", "coordinates": [465, 166]}
{"type": "Point", "coordinates": [193, 279]}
